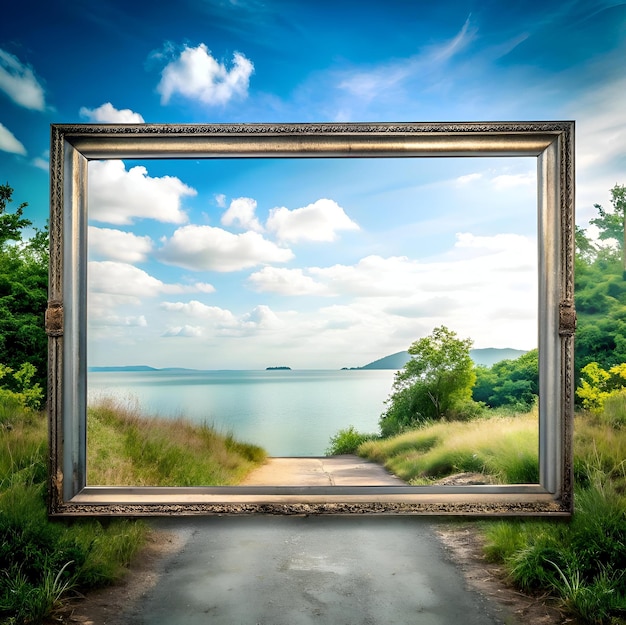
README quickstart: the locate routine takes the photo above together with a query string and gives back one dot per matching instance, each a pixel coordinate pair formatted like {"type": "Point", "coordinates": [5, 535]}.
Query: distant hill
{"type": "Point", "coordinates": [487, 357]}
{"type": "Point", "coordinates": [127, 368]}
{"type": "Point", "coordinates": [137, 368]}
{"type": "Point", "coordinates": [491, 355]}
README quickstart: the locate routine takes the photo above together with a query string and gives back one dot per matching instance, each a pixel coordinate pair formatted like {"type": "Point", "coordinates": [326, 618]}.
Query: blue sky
{"type": "Point", "coordinates": [317, 264]}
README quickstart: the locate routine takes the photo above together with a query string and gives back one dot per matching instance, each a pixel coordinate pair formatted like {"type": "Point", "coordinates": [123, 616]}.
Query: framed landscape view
{"type": "Point", "coordinates": [261, 284]}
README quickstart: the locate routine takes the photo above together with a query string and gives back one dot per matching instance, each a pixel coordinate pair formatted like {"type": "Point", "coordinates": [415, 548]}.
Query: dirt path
{"type": "Point", "coordinates": [346, 470]}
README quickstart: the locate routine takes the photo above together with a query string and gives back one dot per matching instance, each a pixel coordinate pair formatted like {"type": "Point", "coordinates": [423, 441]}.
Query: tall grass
{"type": "Point", "coordinates": [583, 561]}
{"type": "Point", "coordinates": [503, 448]}
{"type": "Point", "coordinates": [127, 448]}
{"type": "Point", "coordinates": [41, 562]}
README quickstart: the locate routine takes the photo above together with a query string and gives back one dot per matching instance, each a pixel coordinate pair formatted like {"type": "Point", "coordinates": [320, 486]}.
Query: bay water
{"type": "Point", "coordinates": [287, 412]}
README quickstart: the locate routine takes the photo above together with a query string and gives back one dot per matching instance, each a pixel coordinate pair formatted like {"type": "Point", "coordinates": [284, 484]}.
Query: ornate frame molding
{"type": "Point", "coordinates": [73, 145]}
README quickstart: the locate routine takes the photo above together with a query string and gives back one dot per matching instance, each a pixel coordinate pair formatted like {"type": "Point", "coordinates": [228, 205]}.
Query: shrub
{"type": "Point", "coordinates": [347, 441]}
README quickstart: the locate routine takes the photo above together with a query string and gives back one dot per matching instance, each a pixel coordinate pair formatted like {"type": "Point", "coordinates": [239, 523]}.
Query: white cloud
{"type": "Point", "coordinates": [260, 318]}
{"type": "Point", "coordinates": [122, 279]}
{"type": "Point", "coordinates": [485, 287]}
{"type": "Point", "coordinates": [319, 221]}
{"type": "Point", "coordinates": [201, 287]}
{"type": "Point", "coordinates": [388, 78]}
{"type": "Point", "coordinates": [601, 129]}
{"type": "Point", "coordinates": [41, 162]}
{"type": "Point", "coordinates": [117, 196]}
{"type": "Point", "coordinates": [463, 180]}
{"type": "Point", "coordinates": [9, 143]}
{"type": "Point", "coordinates": [216, 321]}
{"type": "Point", "coordinates": [108, 114]}
{"type": "Point", "coordinates": [285, 282]}
{"type": "Point", "coordinates": [131, 283]}
{"type": "Point", "coordinates": [241, 213]}
{"type": "Point", "coordinates": [510, 181]}
{"type": "Point", "coordinates": [372, 276]}
{"type": "Point", "coordinates": [128, 321]}
{"type": "Point", "coordinates": [197, 309]}
{"type": "Point", "coordinates": [118, 245]}
{"type": "Point", "coordinates": [19, 82]}
{"type": "Point", "coordinates": [196, 75]}
{"type": "Point", "coordinates": [205, 248]}
{"type": "Point", "coordinates": [184, 331]}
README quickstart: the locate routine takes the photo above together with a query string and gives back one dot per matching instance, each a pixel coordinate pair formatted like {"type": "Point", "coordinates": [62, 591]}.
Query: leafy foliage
{"type": "Point", "coordinates": [611, 223]}
{"type": "Point", "coordinates": [597, 385]}
{"type": "Point", "coordinates": [439, 376]}
{"type": "Point", "coordinates": [600, 289]}
{"type": "Point", "coordinates": [347, 441]}
{"type": "Point", "coordinates": [29, 394]}
{"type": "Point", "coordinates": [512, 383]}
{"type": "Point", "coordinates": [23, 294]}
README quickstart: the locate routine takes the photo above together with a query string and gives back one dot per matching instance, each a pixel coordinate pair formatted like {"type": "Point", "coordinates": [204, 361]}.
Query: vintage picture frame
{"type": "Point", "coordinates": [74, 145]}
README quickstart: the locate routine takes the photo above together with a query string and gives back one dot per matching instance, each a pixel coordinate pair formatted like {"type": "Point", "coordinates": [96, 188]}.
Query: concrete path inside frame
{"type": "Point", "coordinates": [346, 470]}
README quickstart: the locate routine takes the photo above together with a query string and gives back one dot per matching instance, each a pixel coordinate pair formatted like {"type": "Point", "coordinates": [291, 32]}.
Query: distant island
{"type": "Point", "coordinates": [277, 368]}
{"type": "Point", "coordinates": [487, 357]}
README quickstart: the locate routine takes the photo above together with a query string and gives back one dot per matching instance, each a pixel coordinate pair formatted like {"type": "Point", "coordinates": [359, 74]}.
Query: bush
{"type": "Point", "coordinates": [347, 441]}
{"type": "Point", "coordinates": [614, 413]}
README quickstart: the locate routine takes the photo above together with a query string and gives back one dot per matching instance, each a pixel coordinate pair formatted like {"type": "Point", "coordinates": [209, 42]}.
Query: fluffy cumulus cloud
{"type": "Point", "coordinates": [118, 196]}
{"type": "Point", "coordinates": [129, 283]}
{"type": "Point", "coordinates": [197, 75]}
{"type": "Point", "coordinates": [9, 143]}
{"type": "Point", "coordinates": [199, 310]}
{"type": "Point", "coordinates": [101, 317]}
{"type": "Point", "coordinates": [241, 212]}
{"type": "Point", "coordinates": [19, 82]}
{"type": "Point", "coordinates": [212, 321]}
{"type": "Point", "coordinates": [319, 221]}
{"type": "Point", "coordinates": [117, 278]}
{"type": "Point", "coordinates": [260, 318]}
{"type": "Point", "coordinates": [108, 114]}
{"type": "Point", "coordinates": [484, 287]}
{"type": "Point", "coordinates": [205, 248]}
{"type": "Point", "coordinates": [118, 245]}
{"type": "Point", "coordinates": [186, 331]}
{"type": "Point", "coordinates": [285, 282]}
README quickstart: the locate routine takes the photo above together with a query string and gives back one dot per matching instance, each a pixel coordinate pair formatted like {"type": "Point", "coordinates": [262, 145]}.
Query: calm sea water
{"type": "Point", "coordinates": [289, 413]}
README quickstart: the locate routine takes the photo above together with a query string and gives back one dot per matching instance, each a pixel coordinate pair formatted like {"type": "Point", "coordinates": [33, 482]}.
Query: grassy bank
{"type": "Point", "coordinates": [504, 448]}
{"type": "Point", "coordinates": [128, 448]}
{"type": "Point", "coordinates": [41, 562]}
{"type": "Point", "coordinates": [582, 562]}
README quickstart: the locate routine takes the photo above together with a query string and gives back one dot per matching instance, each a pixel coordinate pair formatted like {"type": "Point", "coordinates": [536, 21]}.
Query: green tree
{"type": "Point", "coordinates": [11, 224]}
{"type": "Point", "coordinates": [23, 294]}
{"type": "Point", "coordinates": [437, 378]}
{"type": "Point", "coordinates": [612, 224]}
{"type": "Point", "coordinates": [509, 382]}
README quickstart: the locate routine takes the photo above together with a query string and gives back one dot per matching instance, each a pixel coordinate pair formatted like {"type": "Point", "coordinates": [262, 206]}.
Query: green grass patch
{"type": "Point", "coordinates": [504, 448]}
{"type": "Point", "coordinates": [126, 448]}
